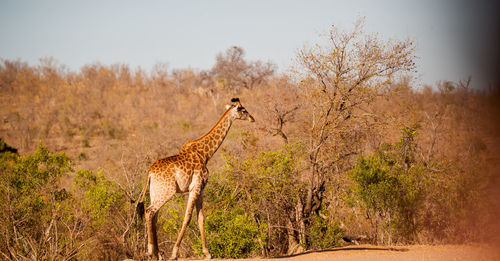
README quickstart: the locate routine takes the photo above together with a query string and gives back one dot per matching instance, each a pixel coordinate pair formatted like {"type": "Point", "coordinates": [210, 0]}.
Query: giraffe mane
{"type": "Point", "coordinates": [206, 134]}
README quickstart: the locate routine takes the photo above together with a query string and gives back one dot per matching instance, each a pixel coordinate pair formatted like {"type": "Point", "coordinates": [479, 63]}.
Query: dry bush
{"type": "Point", "coordinates": [348, 101]}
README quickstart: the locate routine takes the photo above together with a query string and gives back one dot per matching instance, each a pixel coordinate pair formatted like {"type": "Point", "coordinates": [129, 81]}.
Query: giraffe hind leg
{"type": "Point", "coordinates": [160, 193]}
{"type": "Point", "coordinates": [151, 218]}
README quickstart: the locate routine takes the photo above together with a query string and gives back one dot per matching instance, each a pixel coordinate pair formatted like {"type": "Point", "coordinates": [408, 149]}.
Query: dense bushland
{"type": "Point", "coordinates": [344, 149]}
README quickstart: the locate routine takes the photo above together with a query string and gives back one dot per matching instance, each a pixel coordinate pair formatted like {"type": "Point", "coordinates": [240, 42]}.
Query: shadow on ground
{"type": "Point", "coordinates": [343, 249]}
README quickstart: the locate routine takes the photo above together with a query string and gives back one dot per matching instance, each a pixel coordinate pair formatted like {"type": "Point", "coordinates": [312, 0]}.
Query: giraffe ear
{"type": "Point", "coordinates": [228, 106]}
{"type": "Point", "coordinates": [235, 101]}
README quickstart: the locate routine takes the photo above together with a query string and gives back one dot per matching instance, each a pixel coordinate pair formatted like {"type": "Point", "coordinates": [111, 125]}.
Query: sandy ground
{"type": "Point", "coordinates": [413, 253]}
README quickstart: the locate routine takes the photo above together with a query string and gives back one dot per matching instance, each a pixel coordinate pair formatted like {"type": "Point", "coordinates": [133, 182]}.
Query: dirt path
{"type": "Point", "coordinates": [410, 253]}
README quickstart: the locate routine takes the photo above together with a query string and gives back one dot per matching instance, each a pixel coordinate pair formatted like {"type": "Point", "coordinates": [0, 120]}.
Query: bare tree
{"type": "Point", "coordinates": [340, 78]}
{"type": "Point", "coordinates": [283, 99]}
{"type": "Point", "coordinates": [233, 72]}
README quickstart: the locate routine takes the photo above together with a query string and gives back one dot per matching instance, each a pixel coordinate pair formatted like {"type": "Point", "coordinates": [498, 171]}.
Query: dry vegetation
{"type": "Point", "coordinates": [344, 149]}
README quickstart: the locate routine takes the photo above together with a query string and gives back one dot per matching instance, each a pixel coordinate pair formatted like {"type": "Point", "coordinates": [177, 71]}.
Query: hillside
{"type": "Point", "coordinates": [333, 155]}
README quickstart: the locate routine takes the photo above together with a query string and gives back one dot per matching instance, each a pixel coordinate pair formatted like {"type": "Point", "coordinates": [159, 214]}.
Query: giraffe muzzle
{"type": "Point", "coordinates": [250, 118]}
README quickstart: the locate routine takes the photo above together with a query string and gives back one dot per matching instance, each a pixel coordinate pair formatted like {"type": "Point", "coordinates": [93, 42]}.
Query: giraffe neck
{"type": "Point", "coordinates": [208, 144]}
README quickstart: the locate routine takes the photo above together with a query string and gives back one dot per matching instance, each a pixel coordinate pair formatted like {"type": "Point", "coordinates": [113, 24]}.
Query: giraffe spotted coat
{"type": "Point", "coordinates": [186, 172]}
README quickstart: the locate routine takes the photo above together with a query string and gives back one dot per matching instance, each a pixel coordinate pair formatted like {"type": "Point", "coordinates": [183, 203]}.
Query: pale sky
{"type": "Point", "coordinates": [186, 34]}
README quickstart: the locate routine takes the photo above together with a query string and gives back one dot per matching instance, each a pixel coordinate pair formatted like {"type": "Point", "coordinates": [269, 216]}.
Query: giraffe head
{"type": "Point", "coordinates": [238, 111]}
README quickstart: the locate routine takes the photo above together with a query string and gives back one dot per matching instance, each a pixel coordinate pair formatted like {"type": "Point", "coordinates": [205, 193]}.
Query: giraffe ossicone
{"type": "Point", "coordinates": [186, 172]}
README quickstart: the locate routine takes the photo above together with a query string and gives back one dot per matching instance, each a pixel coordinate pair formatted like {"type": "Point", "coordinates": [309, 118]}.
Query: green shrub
{"type": "Point", "coordinates": [101, 197]}
{"type": "Point", "coordinates": [35, 179]}
{"type": "Point", "coordinates": [391, 185]}
{"type": "Point", "coordinates": [32, 201]}
{"type": "Point", "coordinates": [323, 234]}
{"type": "Point", "coordinates": [232, 234]}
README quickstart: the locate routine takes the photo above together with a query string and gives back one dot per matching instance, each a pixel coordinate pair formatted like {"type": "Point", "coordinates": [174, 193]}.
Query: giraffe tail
{"type": "Point", "coordinates": [140, 203]}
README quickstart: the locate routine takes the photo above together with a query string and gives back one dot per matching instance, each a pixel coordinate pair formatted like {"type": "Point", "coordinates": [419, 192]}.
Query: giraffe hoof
{"type": "Point", "coordinates": [208, 256]}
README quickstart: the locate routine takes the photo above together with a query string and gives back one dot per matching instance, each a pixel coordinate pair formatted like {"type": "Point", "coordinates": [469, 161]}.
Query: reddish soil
{"type": "Point", "coordinates": [410, 253]}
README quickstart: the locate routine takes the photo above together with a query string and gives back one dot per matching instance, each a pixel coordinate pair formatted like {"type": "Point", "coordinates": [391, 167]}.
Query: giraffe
{"type": "Point", "coordinates": [186, 172]}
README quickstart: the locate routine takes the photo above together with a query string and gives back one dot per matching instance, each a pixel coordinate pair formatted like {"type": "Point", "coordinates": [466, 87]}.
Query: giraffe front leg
{"type": "Point", "coordinates": [201, 223]}
{"type": "Point", "coordinates": [193, 195]}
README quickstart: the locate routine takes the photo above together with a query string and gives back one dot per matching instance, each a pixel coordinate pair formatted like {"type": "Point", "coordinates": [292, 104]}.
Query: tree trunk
{"type": "Point", "coordinates": [309, 196]}
{"type": "Point", "coordinates": [299, 209]}
{"type": "Point", "coordinates": [293, 244]}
